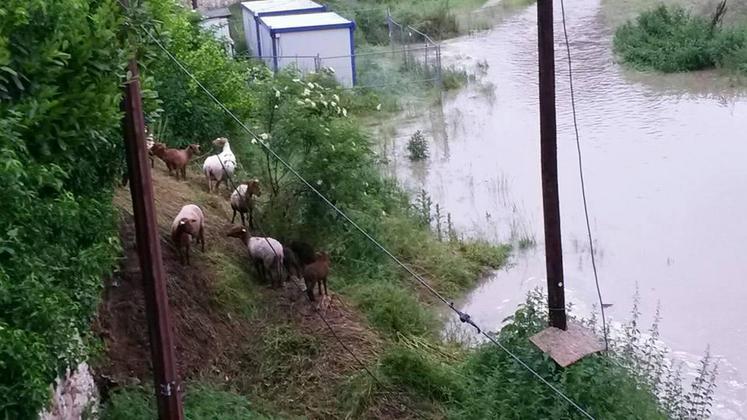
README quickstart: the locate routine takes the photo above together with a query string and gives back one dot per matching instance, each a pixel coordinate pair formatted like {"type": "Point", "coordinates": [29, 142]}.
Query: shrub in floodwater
{"type": "Point", "coordinates": [670, 39]}
{"type": "Point", "coordinates": [526, 243]}
{"type": "Point", "coordinates": [417, 146]}
{"type": "Point", "coordinates": [454, 78]}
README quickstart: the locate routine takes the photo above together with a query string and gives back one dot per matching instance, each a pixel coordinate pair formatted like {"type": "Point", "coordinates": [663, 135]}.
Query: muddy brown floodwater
{"type": "Point", "coordinates": [666, 180]}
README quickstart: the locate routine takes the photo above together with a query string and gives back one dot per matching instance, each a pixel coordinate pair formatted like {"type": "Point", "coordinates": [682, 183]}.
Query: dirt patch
{"type": "Point", "coordinates": [201, 330]}
{"type": "Point", "coordinates": [282, 355]}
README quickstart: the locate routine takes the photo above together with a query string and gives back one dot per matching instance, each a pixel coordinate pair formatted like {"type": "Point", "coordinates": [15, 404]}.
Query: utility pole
{"type": "Point", "coordinates": [549, 146]}
{"type": "Point", "coordinates": [149, 252]}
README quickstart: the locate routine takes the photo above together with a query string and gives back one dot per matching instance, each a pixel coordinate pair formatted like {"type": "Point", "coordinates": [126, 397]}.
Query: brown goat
{"type": "Point", "coordinates": [316, 274]}
{"type": "Point", "coordinates": [176, 159]}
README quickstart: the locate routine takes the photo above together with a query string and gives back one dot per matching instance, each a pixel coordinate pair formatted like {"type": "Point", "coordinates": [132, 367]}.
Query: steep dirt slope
{"type": "Point", "coordinates": [267, 344]}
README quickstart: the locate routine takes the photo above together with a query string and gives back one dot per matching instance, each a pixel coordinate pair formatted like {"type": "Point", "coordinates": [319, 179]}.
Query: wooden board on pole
{"type": "Point", "coordinates": [569, 346]}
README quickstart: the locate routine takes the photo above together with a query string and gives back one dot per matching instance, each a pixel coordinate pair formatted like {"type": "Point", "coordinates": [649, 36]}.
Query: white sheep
{"type": "Point", "coordinates": [242, 201]}
{"type": "Point", "coordinates": [219, 167]}
{"type": "Point", "coordinates": [266, 253]}
{"type": "Point", "coordinates": [188, 224]}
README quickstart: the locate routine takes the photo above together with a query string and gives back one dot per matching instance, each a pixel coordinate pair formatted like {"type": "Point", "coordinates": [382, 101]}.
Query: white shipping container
{"type": "Point", "coordinates": [296, 40]}
{"type": "Point", "coordinates": [252, 11]}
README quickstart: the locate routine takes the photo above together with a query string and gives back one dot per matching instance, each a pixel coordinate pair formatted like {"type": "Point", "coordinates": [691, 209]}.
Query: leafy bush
{"type": "Point", "coordinates": [670, 39]}
{"type": "Point", "coordinates": [371, 23]}
{"type": "Point", "coordinates": [417, 146]}
{"type": "Point", "coordinates": [60, 147]}
{"type": "Point", "coordinates": [192, 116]}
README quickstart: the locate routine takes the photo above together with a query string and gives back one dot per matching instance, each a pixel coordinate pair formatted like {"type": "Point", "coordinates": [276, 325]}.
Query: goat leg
{"type": "Point", "coordinates": [326, 293]}
{"type": "Point", "coordinates": [260, 271]}
{"type": "Point", "coordinates": [202, 237]}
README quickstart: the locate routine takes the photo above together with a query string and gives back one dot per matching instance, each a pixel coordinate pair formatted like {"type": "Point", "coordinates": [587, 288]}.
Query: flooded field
{"type": "Point", "coordinates": [666, 180]}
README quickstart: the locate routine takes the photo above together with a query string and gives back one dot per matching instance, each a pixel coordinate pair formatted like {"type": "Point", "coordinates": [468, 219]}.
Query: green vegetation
{"type": "Point", "coordinates": [437, 18]}
{"type": "Point", "coordinates": [61, 74]}
{"type": "Point", "coordinates": [670, 39]}
{"type": "Point", "coordinates": [60, 154]}
{"type": "Point", "coordinates": [230, 288]}
{"type": "Point", "coordinates": [201, 402]}
{"type": "Point", "coordinates": [634, 381]}
{"type": "Point", "coordinates": [454, 78]}
{"type": "Point", "coordinates": [417, 146]}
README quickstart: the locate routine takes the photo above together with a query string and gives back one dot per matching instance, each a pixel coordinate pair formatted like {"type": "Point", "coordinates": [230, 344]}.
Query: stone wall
{"type": "Point", "coordinates": [73, 396]}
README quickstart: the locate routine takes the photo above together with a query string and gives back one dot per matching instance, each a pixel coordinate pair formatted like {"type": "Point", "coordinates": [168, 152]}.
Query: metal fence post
{"type": "Point", "coordinates": [438, 66]}
{"type": "Point", "coordinates": [427, 67]}
{"type": "Point", "coordinates": [389, 26]}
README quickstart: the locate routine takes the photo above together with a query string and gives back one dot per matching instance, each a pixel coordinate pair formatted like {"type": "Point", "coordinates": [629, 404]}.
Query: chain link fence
{"type": "Point", "coordinates": [410, 61]}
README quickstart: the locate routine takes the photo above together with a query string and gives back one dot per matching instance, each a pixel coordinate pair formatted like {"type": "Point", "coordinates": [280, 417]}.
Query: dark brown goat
{"type": "Point", "coordinates": [316, 274]}
{"type": "Point", "coordinates": [176, 159]}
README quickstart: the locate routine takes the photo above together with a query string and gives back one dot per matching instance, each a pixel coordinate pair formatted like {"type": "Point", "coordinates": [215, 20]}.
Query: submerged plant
{"type": "Point", "coordinates": [417, 146]}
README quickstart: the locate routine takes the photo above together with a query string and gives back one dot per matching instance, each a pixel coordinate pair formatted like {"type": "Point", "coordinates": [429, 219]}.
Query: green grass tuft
{"type": "Point", "coordinates": [420, 371]}
{"type": "Point", "coordinates": [394, 309]}
{"type": "Point", "coordinates": [233, 289]}
{"type": "Point", "coordinates": [201, 402]}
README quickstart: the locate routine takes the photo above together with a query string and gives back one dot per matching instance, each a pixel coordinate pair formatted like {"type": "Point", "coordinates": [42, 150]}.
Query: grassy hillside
{"type": "Point", "coordinates": [234, 333]}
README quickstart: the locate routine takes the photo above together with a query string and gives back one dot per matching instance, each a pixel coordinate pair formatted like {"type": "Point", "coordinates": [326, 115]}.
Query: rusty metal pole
{"type": "Point", "coordinates": [149, 252]}
{"type": "Point", "coordinates": [549, 147]}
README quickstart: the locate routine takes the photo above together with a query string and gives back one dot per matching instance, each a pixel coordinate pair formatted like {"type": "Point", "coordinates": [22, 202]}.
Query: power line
{"type": "Point", "coordinates": [581, 175]}
{"type": "Point", "coordinates": [463, 317]}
